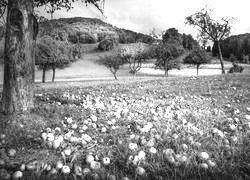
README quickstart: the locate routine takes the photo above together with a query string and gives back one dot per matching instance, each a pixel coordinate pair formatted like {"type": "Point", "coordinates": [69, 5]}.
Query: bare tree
{"type": "Point", "coordinates": [211, 29]}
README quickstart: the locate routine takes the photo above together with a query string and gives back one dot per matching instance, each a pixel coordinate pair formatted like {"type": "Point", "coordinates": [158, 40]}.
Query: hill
{"type": "Point", "coordinates": [237, 45]}
{"type": "Point", "coordinates": [88, 31]}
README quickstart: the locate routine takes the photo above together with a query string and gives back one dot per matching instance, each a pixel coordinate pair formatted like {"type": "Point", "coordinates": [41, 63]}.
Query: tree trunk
{"type": "Point", "coordinates": [166, 69]}
{"type": "Point", "coordinates": [221, 59]}
{"type": "Point", "coordinates": [54, 74]}
{"type": "Point", "coordinates": [19, 65]}
{"type": "Point", "coordinates": [115, 76]}
{"type": "Point", "coordinates": [44, 74]}
{"type": "Point", "coordinates": [197, 68]}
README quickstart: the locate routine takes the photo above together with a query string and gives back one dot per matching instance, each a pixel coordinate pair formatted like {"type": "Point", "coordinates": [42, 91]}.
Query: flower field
{"type": "Point", "coordinates": [176, 128]}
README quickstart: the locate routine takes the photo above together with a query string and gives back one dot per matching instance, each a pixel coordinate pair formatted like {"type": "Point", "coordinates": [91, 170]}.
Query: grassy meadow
{"type": "Point", "coordinates": [142, 128]}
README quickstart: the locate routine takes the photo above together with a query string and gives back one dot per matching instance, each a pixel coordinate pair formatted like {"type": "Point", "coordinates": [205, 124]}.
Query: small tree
{"type": "Point", "coordinates": [211, 29]}
{"type": "Point", "coordinates": [134, 55]}
{"type": "Point", "coordinates": [113, 62]}
{"type": "Point", "coordinates": [166, 55]}
{"type": "Point", "coordinates": [197, 57]}
{"type": "Point", "coordinates": [52, 54]}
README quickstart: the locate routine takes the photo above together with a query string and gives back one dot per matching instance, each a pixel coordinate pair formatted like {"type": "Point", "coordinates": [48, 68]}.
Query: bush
{"type": "Point", "coordinates": [236, 68]}
{"type": "Point", "coordinates": [107, 45]}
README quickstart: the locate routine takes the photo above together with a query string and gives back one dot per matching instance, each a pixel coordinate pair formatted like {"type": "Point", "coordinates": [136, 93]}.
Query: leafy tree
{"type": "Point", "coordinates": [172, 36]}
{"type": "Point", "coordinates": [211, 29]}
{"type": "Point", "coordinates": [188, 42]}
{"type": "Point", "coordinates": [19, 64]}
{"type": "Point", "coordinates": [107, 44]}
{"type": "Point", "coordinates": [134, 55]}
{"type": "Point", "coordinates": [166, 55]}
{"type": "Point", "coordinates": [53, 54]}
{"type": "Point", "coordinates": [197, 57]}
{"type": "Point", "coordinates": [113, 62]}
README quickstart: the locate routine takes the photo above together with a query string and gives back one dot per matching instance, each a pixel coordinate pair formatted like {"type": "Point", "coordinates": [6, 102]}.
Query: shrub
{"type": "Point", "coordinates": [236, 68]}
{"type": "Point", "coordinates": [107, 44]}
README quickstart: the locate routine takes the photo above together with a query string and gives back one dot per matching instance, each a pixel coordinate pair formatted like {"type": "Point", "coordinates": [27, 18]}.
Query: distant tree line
{"type": "Point", "coordinates": [238, 46]}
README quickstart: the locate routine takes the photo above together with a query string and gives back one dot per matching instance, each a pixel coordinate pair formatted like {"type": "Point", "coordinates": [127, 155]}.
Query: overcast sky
{"type": "Point", "coordinates": [144, 15]}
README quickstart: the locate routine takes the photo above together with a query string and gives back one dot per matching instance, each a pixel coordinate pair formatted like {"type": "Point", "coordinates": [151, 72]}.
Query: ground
{"type": "Point", "coordinates": [142, 128]}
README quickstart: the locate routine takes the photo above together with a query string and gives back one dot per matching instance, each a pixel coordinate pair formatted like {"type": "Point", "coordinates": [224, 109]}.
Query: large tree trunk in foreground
{"type": "Point", "coordinates": [19, 65]}
{"type": "Point", "coordinates": [221, 58]}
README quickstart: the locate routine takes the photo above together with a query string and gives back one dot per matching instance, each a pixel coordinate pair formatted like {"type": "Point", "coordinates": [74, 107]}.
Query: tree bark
{"type": "Point", "coordinates": [44, 74]}
{"type": "Point", "coordinates": [221, 58]}
{"type": "Point", "coordinates": [54, 74]}
{"type": "Point", "coordinates": [19, 65]}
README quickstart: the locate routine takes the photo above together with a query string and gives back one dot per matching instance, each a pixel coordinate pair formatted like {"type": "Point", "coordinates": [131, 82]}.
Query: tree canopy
{"type": "Point", "coordinates": [197, 57]}
{"type": "Point", "coordinates": [210, 29]}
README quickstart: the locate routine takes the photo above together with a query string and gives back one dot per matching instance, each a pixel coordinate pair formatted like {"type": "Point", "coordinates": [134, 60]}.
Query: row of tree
{"type": "Point", "coordinates": [165, 52]}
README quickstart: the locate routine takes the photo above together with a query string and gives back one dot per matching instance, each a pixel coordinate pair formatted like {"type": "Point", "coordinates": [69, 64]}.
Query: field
{"type": "Point", "coordinates": [174, 128]}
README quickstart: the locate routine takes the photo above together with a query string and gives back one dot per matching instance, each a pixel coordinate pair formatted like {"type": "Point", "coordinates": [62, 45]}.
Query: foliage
{"type": "Point", "coordinates": [166, 55]}
{"type": "Point", "coordinates": [112, 62]}
{"type": "Point", "coordinates": [52, 54]}
{"type": "Point", "coordinates": [135, 55]}
{"type": "Point", "coordinates": [210, 29]}
{"type": "Point", "coordinates": [197, 57]}
{"type": "Point", "coordinates": [172, 36]}
{"type": "Point", "coordinates": [188, 42]}
{"type": "Point", "coordinates": [236, 68]}
{"type": "Point", "coordinates": [239, 45]}
{"type": "Point", "coordinates": [107, 44]}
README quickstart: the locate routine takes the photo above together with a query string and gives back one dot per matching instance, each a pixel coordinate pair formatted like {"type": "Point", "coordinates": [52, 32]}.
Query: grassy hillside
{"type": "Point", "coordinates": [180, 128]}
{"type": "Point", "coordinates": [88, 30]}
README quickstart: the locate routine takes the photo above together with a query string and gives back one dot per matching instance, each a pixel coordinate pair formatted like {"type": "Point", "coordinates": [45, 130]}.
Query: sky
{"type": "Point", "coordinates": [144, 15]}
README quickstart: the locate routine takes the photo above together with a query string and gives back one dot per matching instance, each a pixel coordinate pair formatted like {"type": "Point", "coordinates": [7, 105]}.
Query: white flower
{"type": "Point", "coordinates": [17, 175]}
{"type": "Point", "coordinates": [56, 144]}
{"type": "Point", "coordinates": [142, 155]}
{"type": "Point", "coordinates": [204, 165]}
{"type": "Point", "coordinates": [234, 138]}
{"type": "Point", "coordinates": [69, 120]}
{"type": "Point", "coordinates": [44, 136]}
{"type": "Point", "coordinates": [247, 117]}
{"type": "Point", "coordinates": [168, 152]}
{"type": "Point", "coordinates": [93, 118]}
{"type": "Point", "coordinates": [67, 152]}
{"type": "Point", "coordinates": [65, 169]}
{"type": "Point", "coordinates": [50, 137]}
{"type": "Point", "coordinates": [95, 165]}
{"type": "Point", "coordinates": [211, 163]}
{"type": "Point", "coordinates": [89, 158]}
{"type": "Point", "coordinates": [140, 171]}
{"type": "Point", "coordinates": [106, 161]}
{"type": "Point", "coordinates": [12, 152]}
{"type": "Point", "coordinates": [74, 126]}
{"type": "Point", "coordinates": [104, 129]}
{"type": "Point", "coordinates": [132, 146]}
{"type": "Point", "coordinates": [204, 155]}
{"type": "Point", "coordinates": [184, 147]}
{"type": "Point", "coordinates": [232, 127]}
{"type": "Point", "coordinates": [152, 150]}
{"type": "Point", "coordinates": [136, 160]}
{"type": "Point", "coordinates": [59, 165]}
{"type": "Point", "coordinates": [86, 171]}
{"type": "Point", "coordinates": [86, 137]}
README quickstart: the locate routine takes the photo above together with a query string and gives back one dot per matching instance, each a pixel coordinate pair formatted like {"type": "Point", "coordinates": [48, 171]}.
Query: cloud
{"type": "Point", "coordinates": [144, 15]}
